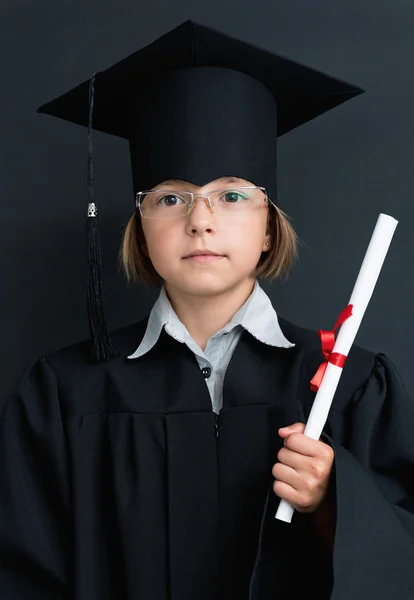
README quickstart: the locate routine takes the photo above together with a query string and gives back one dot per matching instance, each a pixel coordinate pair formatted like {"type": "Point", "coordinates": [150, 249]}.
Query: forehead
{"type": "Point", "coordinates": [220, 180]}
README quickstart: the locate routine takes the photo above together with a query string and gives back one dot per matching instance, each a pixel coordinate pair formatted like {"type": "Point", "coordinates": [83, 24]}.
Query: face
{"type": "Point", "coordinates": [239, 240]}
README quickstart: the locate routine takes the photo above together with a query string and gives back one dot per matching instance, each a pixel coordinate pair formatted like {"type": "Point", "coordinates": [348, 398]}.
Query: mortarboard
{"type": "Point", "coordinates": [195, 104]}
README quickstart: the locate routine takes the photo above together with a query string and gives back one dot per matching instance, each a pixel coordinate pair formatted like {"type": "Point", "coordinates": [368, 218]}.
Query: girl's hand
{"type": "Point", "coordinates": [303, 473]}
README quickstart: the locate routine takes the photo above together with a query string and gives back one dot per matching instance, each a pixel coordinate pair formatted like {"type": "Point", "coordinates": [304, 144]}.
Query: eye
{"type": "Point", "coordinates": [233, 196]}
{"type": "Point", "coordinates": [168, 197]}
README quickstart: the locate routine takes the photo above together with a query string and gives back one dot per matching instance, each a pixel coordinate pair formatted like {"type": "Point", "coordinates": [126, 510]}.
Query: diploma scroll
{"type": "Point", "coordinates": [361, 295]}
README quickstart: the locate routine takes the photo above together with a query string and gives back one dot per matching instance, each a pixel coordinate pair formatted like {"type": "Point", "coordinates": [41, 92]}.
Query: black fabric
{"type": "Point", "coordinates": [114, 484]}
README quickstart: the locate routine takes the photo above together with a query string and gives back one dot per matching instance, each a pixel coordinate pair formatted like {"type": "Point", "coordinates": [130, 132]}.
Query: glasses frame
{"type": "Point", "coordinates": [206, 196]}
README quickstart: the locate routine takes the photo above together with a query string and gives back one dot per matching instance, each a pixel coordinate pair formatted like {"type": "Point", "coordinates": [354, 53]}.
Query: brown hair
{"type": "Point", "coordinates": [275, 263]}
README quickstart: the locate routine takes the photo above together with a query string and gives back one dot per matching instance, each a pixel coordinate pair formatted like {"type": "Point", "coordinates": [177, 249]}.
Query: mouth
{"type": "Point", "coordinates": [204, 258]}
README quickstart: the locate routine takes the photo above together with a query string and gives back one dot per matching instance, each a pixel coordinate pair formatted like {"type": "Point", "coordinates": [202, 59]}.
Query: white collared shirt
{"type": "Point", "coordinates": [257, 316]}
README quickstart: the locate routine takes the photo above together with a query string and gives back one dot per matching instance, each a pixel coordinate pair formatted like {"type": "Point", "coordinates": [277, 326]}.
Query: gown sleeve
{"type": "Point", "coordinates": [373, 555]}
{"type": "Point", "coordinates": [35, 517]}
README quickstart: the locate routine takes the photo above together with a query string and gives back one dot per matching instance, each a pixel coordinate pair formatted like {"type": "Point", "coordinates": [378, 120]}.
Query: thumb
{"type": "Point", "coordinates": [295, 428]}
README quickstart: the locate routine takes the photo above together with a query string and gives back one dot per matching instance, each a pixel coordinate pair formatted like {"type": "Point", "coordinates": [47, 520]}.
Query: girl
{"type": "Point", "coordinates": [155, 471]}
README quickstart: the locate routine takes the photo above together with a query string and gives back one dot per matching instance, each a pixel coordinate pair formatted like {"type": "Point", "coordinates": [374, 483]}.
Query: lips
{"type": "Point", "coordinates": [204, 258]}
{"type": "Point", "coordinates": [202, 253]}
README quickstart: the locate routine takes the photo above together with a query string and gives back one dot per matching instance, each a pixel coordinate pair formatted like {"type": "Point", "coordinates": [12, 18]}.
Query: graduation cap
{"type": "Point", "coordinates": [196, 104]}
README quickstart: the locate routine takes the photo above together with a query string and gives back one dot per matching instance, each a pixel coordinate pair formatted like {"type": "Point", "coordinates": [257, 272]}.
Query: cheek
{"type": "Point", "coordinates": [161, 242]}
{"type": "Point", "coordinates": [248, 236]}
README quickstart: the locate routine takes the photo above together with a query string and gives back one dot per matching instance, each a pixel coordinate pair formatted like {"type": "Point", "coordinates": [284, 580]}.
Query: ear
{"type": "Point", "coordinates": [267, 244]}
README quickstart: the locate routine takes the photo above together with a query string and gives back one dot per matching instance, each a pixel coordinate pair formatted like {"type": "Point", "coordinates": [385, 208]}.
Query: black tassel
{"type": "Point", "coordinates": [101, 344]}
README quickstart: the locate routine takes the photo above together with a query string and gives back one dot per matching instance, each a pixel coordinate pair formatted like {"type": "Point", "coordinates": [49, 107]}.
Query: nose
{"type": "Point", "coordinates": [201, 217]}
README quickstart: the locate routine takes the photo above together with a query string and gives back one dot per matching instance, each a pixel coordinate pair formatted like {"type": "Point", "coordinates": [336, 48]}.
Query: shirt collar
{"type": "Point", "coordinates": [256, 315]}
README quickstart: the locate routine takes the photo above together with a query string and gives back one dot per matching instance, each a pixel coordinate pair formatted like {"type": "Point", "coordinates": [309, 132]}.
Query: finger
{"type": "Point", "coordinates": [293, 459]}
{"type": "Point", "coordinates": [298, 500]}
{"type": "Point", "coordinates": [307, 446]}
{"type": "Point", "coordinates": [295, 428]}
{"type": "Point", "coordinates": [288, 475]}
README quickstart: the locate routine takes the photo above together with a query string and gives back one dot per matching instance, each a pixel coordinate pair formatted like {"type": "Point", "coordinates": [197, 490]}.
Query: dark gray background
{"type": "Point", "coordinates": [336, 173]}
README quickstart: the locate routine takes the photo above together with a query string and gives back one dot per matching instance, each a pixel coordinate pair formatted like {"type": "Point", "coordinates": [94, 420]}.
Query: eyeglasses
{"type": "Point", "coordinates": [171, 204]}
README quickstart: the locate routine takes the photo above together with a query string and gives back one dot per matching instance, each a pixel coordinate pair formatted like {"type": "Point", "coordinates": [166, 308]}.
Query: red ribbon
{"type": "Point", "coordinates": [328, 342]}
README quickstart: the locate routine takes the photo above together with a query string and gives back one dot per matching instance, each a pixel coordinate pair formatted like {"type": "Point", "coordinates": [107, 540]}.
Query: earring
{"type": "Point", "coordinates": [267, 243]}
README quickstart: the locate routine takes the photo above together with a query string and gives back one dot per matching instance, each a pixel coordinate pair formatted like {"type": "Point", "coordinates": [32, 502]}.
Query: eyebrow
{"type": "Point", "coordinates": [221, 179]}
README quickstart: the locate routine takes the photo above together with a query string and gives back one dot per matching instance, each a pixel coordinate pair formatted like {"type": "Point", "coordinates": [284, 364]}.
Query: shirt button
{"type": "Point", "coordinates": [206, 371]}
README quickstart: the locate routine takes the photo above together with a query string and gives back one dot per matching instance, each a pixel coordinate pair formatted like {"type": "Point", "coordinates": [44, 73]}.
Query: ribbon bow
{"type": "Point", "coordinates": [328, 342]}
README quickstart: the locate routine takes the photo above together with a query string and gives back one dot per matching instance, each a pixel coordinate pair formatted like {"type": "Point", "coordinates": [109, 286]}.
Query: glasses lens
{"type": "Point", "coordinates": [163, 204]}
{"type": "Point", "coordinates": [168, 204]}
{"type": "Point", "coordinates": [236, 201]}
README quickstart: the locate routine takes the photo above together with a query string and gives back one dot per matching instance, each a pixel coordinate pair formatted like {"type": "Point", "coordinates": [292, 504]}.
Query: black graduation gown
{"type": "Point", "coordinates": [118, 482]}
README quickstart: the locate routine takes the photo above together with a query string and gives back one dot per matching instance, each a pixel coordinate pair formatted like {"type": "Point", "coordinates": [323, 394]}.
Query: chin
{"type": "Point", "coordinates": [207, 285]}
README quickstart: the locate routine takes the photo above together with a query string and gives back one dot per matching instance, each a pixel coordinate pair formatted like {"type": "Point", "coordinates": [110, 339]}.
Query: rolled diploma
{"type": "Point", "coordinates": [360, 297]}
